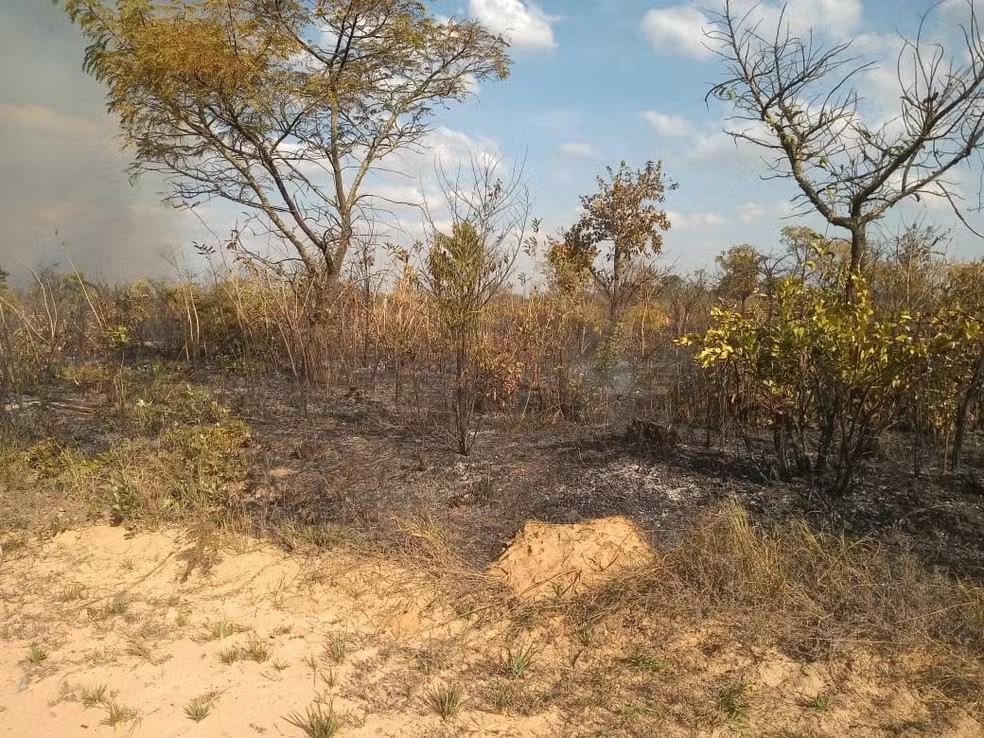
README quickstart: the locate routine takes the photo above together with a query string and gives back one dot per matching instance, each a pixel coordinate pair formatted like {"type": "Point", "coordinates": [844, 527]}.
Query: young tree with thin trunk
{"type": "Point", "coordinates": [741, 272]}
{"type": "Point", "coordinates": [468, 266]}
{"type": "Point", "coordinates": [282, 107]}
{"type": "Point", "coordinates": [800, 99]}
{"type": "Point", "coordinates": [620, 223]}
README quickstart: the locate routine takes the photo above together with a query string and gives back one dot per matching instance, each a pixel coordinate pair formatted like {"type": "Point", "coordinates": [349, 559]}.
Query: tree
{"type": "Point", "coordinates": [800, 99]}
{"type": "Point", "coordinates": [466, 268]}
{"type": "Point", "coordinates": [823, 368]}
{"type": "Point", "coordinates": [283, 107]}
{"type": "Point", "coordinates": [741, 272]}
{"type": "Point", "coordinates": [624, 219]}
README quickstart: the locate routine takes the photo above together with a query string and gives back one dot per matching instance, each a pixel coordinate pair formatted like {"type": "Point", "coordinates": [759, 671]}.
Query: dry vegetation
{"type": "Point", "coordinates": [370, 490]}
{"type": "Point", "coordinates": [772, 604]}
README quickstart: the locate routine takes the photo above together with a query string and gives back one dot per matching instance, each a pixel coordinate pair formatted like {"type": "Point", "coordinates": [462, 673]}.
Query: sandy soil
{"type": "Point", "coordinates": [160, 654]}
{"type": "Point", "coordinates": [544, 560]}
{"type": "Point", "coordinates": [139, 615]}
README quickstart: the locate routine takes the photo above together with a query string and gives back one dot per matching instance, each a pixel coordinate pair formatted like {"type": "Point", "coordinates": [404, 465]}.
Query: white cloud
{"type": "Point", "coordinates": [678, 30]}
{"type": "Point", "coordinates": [523, 24]}
{"type": "Point", "coordinates": [412, 186]}
{"type": "Point", "coordinates": [682, 29]}
{"type": "Point", "coordinates": [579, 148]}
{"type": "Point", "coordinates": [715, 147]}
{"type": "Point", "coordinates": [695, 220]}
{"type": "Point", "coordinates": [841, 16]}
{"type": "Point", "coordinates": [669, 125]}
{"type": "Point", "coordinates": [452, 149]}
{"type": "Point", "coordinates": [750, 212]}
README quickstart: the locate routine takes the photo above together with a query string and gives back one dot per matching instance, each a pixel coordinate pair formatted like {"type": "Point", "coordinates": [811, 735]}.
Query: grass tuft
{"type": "Point", "coordinates": [446, 701]}
{"type": "Point", "coordinates": [316, 722]}
{"type": "Point", "coordinates": [201, 707]}
{"type": "Point", "coordinates": [92, 696]}
{"type": "Point", "coordinates": [255, 650]}
{"type": "Point", "coordinates": [36, 654]}
{"type": "Point", "coordinates": [642, 661]}
{"type": "Point", "coordinates": [819, 702]}
{"type": "Point", "coordinates": [518, 660]}
{"type": "Point", "coordinates": [222, 629]}
{"type": "Point", "coordinates": [337, 647]}
{"type": "Point", "coordinates": [733, 701]}
{"type": "Point", "coordinates": [117, 714]}
{"type": "Point", "coordinates": [119, 605]}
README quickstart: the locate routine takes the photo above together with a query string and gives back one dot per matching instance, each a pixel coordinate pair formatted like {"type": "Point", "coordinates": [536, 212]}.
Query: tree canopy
{"type": "Point", "coordinates": [282, 107]}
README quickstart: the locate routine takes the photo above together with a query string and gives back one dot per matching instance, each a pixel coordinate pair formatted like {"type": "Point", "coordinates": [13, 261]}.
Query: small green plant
{"type": "Point", "coordinates": [316, 722]}
{"type": "Point", "coordinates": [254, 650]}
{"type": "Point", "coordinates": [92, 696]}
{"type": "Point", "coordinates": [643, 661]}
{"type": "Point", "coordinates": [819, 702]}
{"type": "Point", "coordinates": [337, 648]}
{"type": "Point", "coordinates": [201, 707]}
{"type": "Point", "coordinates": [118, 605]}
{"type": "Point", "coordinates": [222, 629]}
{"type": "Point", "coordinates": [518, 660]}
{"type": "Point", "coordinates": [312, 663]}
{"type": "Point", "coordinates": [36, 654]}
{"type": "Point", "coordinates": [733, 701]}
{"type": "Point", "coordinates": [278, 665]}
{"type": "Point", "coordinates": [117, 714]}
{"type": "Point", "coordinates": [328, 678]}
{"type": "Point", "coordinates": [446, 701]}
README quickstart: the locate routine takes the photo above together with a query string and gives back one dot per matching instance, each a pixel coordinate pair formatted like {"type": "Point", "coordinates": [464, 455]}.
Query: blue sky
{"type": "Point", "coordinates": [593, 82]}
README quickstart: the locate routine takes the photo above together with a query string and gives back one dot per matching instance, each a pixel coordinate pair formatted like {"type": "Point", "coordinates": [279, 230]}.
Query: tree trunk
{"type": "Point", "coordinates": [859, 248]}
{"type": "Point", "coordinates": [342, 244]}
{"type": "Point", "coordinates": [963, 411]}
{"type": "Point", "coordinates": [460, 400]}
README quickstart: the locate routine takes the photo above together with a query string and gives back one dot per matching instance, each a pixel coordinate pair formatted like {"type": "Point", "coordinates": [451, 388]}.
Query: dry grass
{"type": "Point", "coordinates": [446, 701]}
{"type": "Point", "coordinates": [806, 591]}
{"type": "Point", "coordinates": [201, 707]}
{"type": "Point", "coordinates": [317, 721]}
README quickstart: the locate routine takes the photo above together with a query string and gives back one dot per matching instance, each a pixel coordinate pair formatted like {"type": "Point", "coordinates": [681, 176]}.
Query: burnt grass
{"type": "Point", "coordinates": [359, 462]}
{"type": "Point", "coordinates": [342, 458]}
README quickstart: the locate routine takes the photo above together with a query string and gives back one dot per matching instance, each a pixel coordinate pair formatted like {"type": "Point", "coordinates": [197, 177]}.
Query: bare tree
{"type": "Point", "coordinates": [283, 107]}
{"type": "Point", "coordinates": [801, 99]}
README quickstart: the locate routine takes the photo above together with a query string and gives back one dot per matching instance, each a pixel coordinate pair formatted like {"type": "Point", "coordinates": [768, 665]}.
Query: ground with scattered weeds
{"type": "Point", "coordinates": [104, 630]}
{"type": "Point", "coordinates": [188, 556]}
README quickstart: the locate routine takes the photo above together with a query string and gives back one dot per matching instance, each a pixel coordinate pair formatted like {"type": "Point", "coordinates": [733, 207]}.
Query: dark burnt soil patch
{"type": "Point", "coordinates": [358, 462]}
{"type": "Point", "coordinates": [343, 458]}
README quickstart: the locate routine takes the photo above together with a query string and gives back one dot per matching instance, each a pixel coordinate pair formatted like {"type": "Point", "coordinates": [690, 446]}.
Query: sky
{"type": "Point", "coordinates": [593, 82]}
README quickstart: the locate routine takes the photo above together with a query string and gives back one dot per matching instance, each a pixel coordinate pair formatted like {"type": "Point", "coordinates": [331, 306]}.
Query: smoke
{"type": "Point", "coordinates": [65, 196]}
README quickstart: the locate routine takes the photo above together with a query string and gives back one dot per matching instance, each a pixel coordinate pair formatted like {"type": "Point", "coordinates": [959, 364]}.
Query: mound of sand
{"type": "Point", "coordinates": [546, 560]}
